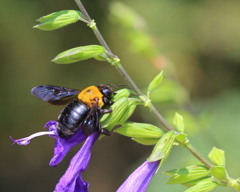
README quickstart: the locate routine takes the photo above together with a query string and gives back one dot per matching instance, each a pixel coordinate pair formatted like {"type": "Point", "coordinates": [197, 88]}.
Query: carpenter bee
{"type": "Point", "coordinates": [83, 108]}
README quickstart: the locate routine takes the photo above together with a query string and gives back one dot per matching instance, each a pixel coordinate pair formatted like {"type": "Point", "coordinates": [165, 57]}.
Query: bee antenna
{"type": "Point", "coordinates": [111, 85]}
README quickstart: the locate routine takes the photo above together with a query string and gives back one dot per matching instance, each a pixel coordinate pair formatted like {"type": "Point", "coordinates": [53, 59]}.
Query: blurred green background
{"type": "Point", "coordinates": [196, 43]}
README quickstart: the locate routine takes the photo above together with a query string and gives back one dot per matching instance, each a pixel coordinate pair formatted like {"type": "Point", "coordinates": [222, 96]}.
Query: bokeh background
{"type": "Point", "coordinates": [197, 45]}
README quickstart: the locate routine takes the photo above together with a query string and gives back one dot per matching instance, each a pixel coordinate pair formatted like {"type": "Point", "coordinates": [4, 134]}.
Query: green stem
{"type": "Point", "coordinates": [95, 29]}
{"type": "Point", "coordinates": [128, 79]}
{"type": "Point", "coordinates": [198, 155]}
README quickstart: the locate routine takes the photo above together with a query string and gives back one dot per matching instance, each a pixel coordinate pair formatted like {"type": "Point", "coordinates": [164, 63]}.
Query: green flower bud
{"type": "Point", "coordinates": [186, 174]}
{"type": "Point", "coordinates": [162, 148]}
{"type": "Point", "coordinates": [201, 185]}
{"type": "Point", "coordinates": [195, 182]}
{"type": "Point", "coordinates": [58, 20]}
{"type": "Point", "coordinates": [146, 141]}
{"type": "Point", "coordinates": [103, 57]}
{"type": "Point", "coordinates": [217, 156]}
{"type": "Point", "coordinates": [121, 93]}
{"type": "Point", "coordinates": [111, 119]}
{"type": "Point", "coordinates": [128, 112]}
{"type": "Point", "coordinates": [139, 130]}
{"type": "Point", "coordinates": [78, 54]}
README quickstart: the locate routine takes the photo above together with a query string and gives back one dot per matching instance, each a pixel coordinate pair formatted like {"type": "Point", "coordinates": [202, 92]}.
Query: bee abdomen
{"type": "Point", "coordinates": [71, 117]}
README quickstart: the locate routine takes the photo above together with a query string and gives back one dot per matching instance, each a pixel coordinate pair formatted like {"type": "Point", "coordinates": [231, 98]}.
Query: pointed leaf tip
{"type": "Point", "coordinates": [155, 82]}
{"type": "Point", "coordinates": [178, 121]}
{"type": "Point", "coordinates": [217, 156]}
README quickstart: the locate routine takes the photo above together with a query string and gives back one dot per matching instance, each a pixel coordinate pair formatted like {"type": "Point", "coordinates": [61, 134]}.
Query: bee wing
{"type": "Point", "coordinates": [55, 95]}
{"type": "Point", "coordinates": [91, 122]}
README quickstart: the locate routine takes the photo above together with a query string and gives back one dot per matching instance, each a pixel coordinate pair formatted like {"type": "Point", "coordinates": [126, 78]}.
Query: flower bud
{"type": "Point", "coordinates": [112, 119]}
{"type": "Point", "coordinates": [102, 57]}
{"type": "Point", "coordinates": [146, 141]}
{"type": "Point", "coordinates": [58, 20]}
{"type": "Point", "coordinates": [122, 93]}
{"type": "Point", "coordinates": [186, 174]}
{"type": "Point", "coordinates": [78, 54]}
{"type": "Point", "coordinates": [162, 148]}
{"type": "Point", "coordinates": [139, 130]}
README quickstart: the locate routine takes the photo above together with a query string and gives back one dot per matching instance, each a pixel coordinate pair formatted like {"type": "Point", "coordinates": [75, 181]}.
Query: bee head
{"type": "Point", "coordinates": [107, 91]}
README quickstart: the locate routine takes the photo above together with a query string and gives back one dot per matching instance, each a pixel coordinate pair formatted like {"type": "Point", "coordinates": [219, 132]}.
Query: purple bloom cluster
{"type": "Point", "coordinates": [72, 180]}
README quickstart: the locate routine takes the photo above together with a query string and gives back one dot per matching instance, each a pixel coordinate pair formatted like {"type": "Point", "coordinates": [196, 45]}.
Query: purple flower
{"type": "Point", "coordinates": [72, 180]}
{"type": "Point", "coordinates": [138, 181]}
{"type": "Point", "coordinates": [62, 145]}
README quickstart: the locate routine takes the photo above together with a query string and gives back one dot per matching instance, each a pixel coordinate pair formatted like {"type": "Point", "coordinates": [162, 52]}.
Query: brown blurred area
{"type": "Point", "coordinates": [198, 40]}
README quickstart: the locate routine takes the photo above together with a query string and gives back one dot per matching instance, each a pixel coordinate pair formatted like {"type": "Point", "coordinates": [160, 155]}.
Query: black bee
{"type": "Point", "coordinates": [83, 108]}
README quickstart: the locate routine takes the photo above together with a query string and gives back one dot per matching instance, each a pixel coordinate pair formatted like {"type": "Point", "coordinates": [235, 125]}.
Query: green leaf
{"type": "Point", "coordinates": [78, 54]}
{"type": "Point", "coordinates": [186, 174]}
{"type": "Point", "coordinates": [202, 185]}
{"type": "Point", "coordinates": [163, 148]}
{"type": "Point", "coordinates": [155, 82]}
{"type": "Point", "coordinates": [178, 121]}
{"type": "Point", "coordinates": [58, 20]}
{"type": "Point", "coordinates": [146, 141]}
{"type": "Point", "coordinates": [217, 156]}
{"type": "Point", "coordinates": [170, 91]}
{"type": "Point", "coordinates": [219, 172]}
{"type": "Point", "coordinates": [139, 130]}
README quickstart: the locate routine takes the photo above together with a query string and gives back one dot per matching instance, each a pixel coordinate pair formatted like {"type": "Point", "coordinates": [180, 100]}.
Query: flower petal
{"type": "Point", "coordinates": [138, 181]}
{"type": "Point", "coordinates": [63, 145]}
{"type": "Point", "coordinates": [71, 181]}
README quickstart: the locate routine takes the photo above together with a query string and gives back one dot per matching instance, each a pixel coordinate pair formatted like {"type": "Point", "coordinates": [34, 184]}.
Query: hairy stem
{"type": "Point", "coordinates": [131, 83]}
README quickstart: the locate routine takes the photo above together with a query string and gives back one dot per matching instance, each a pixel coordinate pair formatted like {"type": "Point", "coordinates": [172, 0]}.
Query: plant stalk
{"type": "Point", "coordinates": [131, 83]}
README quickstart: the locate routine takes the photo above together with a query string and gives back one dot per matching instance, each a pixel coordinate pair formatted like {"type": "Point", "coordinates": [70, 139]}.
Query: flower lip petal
{"type": "Point", "coordinates": [71, 180]}
{"type": "Point", "coordinates": [20, 141]}
{"type": "Point", "coordinates": [63, 145]}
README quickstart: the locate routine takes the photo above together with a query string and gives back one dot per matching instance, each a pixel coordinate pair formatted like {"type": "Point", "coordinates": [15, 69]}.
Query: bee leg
{"type": "Point", "coordinates": [111, 102]}
{"type": "Point", "coordinates": [103, 111]}
{"type": "Point", "coordinates": [105, 132]}
{"type": "Point", "coordinates": [105, 100]}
